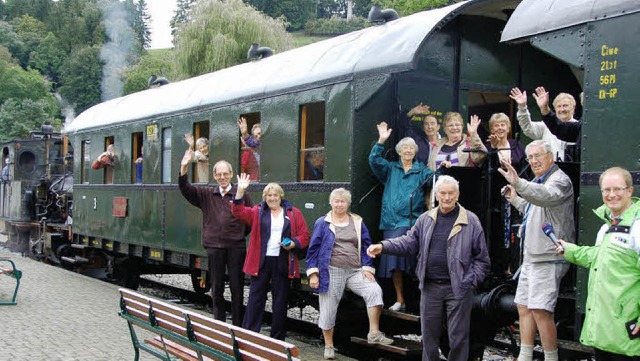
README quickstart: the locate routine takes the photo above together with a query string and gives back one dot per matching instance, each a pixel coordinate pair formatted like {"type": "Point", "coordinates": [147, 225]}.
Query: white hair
{"type": "Point", "coordinates": [447, 179]}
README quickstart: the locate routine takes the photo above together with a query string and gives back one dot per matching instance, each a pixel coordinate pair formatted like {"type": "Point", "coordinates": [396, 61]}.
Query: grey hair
{"type": "Point", "coordinates": [447, 179]}
{"type": "Point", "coordinates": [222, 162]}
{"type": "Point", "coordinates": [340, 192]}
{"type": "Point", "coordinates": [406, 141]}
{"type": "Point", "coordinates": [202, 141]}
{"type": "Point", "coordinates": [539, 143]}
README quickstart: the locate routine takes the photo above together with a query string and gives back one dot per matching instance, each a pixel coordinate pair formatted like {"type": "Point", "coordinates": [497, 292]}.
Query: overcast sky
{"type": "Point", "coordinates": [161, 12]}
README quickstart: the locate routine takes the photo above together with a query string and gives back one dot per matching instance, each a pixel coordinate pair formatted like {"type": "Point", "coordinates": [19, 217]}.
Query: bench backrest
{"type": "Point", "coordinates": [191, 329]}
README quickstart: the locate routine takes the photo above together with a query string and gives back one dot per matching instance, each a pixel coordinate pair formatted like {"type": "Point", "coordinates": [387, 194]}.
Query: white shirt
{"type": "Point", "coordinates": [277, 224]}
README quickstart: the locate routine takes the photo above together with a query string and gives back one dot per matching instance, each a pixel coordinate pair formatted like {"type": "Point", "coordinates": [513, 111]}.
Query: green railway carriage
{"type": "Point", "coordinates": [326, 96]}
{"type": "Point", "coordinates": [600, 42]}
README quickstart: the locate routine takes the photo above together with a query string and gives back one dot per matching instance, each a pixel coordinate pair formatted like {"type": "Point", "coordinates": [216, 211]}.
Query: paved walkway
{"type": "Point", "coordinates": [66, 316]}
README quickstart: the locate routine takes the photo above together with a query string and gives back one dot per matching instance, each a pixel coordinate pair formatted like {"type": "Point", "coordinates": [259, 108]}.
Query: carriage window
{"type": "Point", "coordinates": [250, 134]}
{"type": "Point", "coordinates": [108, 168]}
{"type": "Point", "coordinates": [199, 143]}
{"type": "Point", "coordinates": [166, 155]}
{"type": "Point", "coordinates": [85, 159]}
{"type": "Point", "coordinates": [312, 141]}
{"type": "Point", "coordinates": [137, 157]}
{"type": "Point", "coordinates": [27, 162]}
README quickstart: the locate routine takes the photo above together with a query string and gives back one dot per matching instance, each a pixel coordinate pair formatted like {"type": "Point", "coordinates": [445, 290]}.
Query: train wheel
{"type": "Point", "coordinates": [198, 285]}
{"type": "Point", "coordinates": [127, 273]}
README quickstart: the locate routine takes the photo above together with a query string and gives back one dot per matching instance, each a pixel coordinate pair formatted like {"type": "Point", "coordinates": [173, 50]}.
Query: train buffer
{"type": "Point", "coordinates": [11, 271]}
{"type": "Point", "coordinates": [187, 335]}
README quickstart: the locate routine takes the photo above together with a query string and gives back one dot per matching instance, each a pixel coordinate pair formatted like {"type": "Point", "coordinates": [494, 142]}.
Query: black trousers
{"type": "Point", "coordinates": [608, 356]}
{"type": "Point", "coordinates": [231, 260]}
{"type": "Point", "coordinates": [272, 276]}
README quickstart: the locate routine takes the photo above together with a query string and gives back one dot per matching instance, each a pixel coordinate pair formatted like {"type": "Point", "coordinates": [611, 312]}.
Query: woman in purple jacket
{"type": "Point", "coordinates": [337, 259]}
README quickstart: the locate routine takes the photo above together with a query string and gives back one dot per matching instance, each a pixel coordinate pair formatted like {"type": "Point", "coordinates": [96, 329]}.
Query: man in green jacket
{"type": "Point", "coordinates": [614, 272]}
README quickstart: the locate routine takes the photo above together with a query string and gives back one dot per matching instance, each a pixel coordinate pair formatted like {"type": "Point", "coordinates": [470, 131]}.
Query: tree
{"type": "Point", "coordinates": [10, 40]}
{"type": "Point", "coordinates": [408, 7]}
{"type": "Point", "coordinates": [159, 62]}
{"type": "Point", "coordinates": [296, 12]}
{"type": "Point", "coordinates": [81, 75]}
{"type": "Point", "coordinates": [19, 117]}
{"type": "Point", "coordinates": [220, 33]}
{"type": "Point", "coordinates": [139, 21]}
{"type": "Point", "coordinates": [181, 16]}
{"type": "Point", "coordinates": [19, 84]}
{"type": "Point", "coordinates": [48, 57]}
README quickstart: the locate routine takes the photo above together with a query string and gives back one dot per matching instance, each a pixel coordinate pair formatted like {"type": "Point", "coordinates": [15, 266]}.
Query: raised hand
{"type": "Point", "coordinates": [374, 250]}
{"type": "Point", "coordinates": [494, 141]}
{"type": "Point", "coordinates": [383, 132]}
{"type": "Point", "coordinates": [243, 181]}
{"type": "Point", "coordinates": [189, 139]}
{"type": "Point", "coordinates": [242, 124]}
{"type": "Point", "coordinates": [186, 159]}
{"type": "Point", "coordinates": [472, 127]}
{"type": "Point", "coordinates": [511, 175]}
{"type": "Point", "coordinates": [419, 109]}
{"type": "Point", "coordinates": [542, 99]}
{"type": "Point", "coordinates": [519, 97]}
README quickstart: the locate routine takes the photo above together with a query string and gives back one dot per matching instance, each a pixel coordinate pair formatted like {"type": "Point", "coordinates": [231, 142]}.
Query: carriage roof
{"type": "Point", "coordinates": [391, 47]}
{"type": "Point", "coordinates": [533, 17]}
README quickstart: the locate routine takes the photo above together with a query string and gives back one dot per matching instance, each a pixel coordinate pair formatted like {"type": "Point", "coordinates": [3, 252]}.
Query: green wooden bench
{"type": "Point", "coordinates": [11, 272]}
{"type": "Point", "coordinates": [187, 335]}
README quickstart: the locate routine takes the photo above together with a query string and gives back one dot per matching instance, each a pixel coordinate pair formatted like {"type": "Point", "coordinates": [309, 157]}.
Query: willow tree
{"type": "Point", "coordinates": [219, 34]}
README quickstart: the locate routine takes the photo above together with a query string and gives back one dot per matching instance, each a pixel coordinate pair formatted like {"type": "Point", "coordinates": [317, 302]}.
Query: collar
{"type": "Point", "coordinates": [226, 190]}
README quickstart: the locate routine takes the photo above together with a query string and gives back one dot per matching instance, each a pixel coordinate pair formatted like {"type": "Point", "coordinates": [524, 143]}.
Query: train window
{"type": "Point", "coordinates": [27, 162]}
{"type": "Point", "coordinates": [166, 155]}
{"type": "Point", "coordinates": [312, 141]}
{"type": "Point", "coordinates": [250, 133]}
{"type": "Point", "coordinates": [108, 170]}
{"type": "Point", "coordinates": [136, 157]}
{"type": "Point", "coordinates": [199, 142]}
{"type": "Point", "coordinates": [85, 158]}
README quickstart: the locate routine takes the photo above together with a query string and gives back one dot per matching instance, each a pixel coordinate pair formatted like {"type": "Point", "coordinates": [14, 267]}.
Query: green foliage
{"type": "Point", "coordinates": [81, 77]}
{"type": "Point", "coordinates": [48, 57]}
{"type": "Point", "coordinates": [334, 26]}
{"type": "Point", "coordinates": [181, 16]}
{"type": "Point", "coordinates": [408, 7]}
{"type": "Point", "coordinates": [10, 40]}
{"type": "Point", "coordinates": [156, 62]}
{"type": "Point", "coordinates": [296, 12]}
{"type": "Point", "coordinates": [220, 33]}
{"type": "Point", "coordinates": [19, 117]}
{"type": "Point", "coordinates": [19, 84]}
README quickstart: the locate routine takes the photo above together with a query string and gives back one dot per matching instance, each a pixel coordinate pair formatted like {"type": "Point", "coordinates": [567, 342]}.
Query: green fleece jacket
{"type": "Point", "coordinates": [614, 282]}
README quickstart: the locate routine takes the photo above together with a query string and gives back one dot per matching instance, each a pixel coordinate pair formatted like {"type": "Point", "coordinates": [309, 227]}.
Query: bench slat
{"type": "Point", "coordinates": [172, 323]}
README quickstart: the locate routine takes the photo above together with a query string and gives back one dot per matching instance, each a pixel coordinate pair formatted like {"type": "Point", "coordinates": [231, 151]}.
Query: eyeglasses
{"type": "Point", "coordinates": [454, 125]}
{"type": "Point", "coordinates": [530, 158]}
{"type": "Point", "coordinates": [615, 191]}
{"type": "Point", "coordinates": [221, 174]}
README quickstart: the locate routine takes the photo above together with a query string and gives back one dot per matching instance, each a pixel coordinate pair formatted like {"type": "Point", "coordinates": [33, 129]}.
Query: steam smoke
{"type": "Point", "coordinates": [117, 52]}
{"type": "Point", "coordinates": [67, 109]}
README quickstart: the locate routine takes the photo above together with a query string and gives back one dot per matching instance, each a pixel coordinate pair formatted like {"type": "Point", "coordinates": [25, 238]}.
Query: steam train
{"type": "Point", "coordinates": [327, 97]}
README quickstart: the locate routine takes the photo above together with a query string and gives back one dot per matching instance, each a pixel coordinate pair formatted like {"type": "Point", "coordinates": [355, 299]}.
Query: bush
{"type": "Point", "coordinates": [334, 26]}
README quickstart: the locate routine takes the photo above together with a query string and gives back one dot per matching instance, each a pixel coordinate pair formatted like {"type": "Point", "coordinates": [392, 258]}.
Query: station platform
{"type": "Point", "coordinates": [65, 316]}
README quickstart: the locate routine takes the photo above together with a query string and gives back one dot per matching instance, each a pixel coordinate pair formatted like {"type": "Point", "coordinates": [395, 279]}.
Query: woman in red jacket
{"type": "Point", "coordinates": [277, 228]}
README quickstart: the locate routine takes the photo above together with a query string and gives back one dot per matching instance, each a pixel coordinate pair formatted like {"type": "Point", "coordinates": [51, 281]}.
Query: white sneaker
{"type": "Point", "coordinates": [397, 307]}
{"type": "Point", "coordinates": [329, 353]}
{"type": "Point", "coordinates": [378, 338]}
